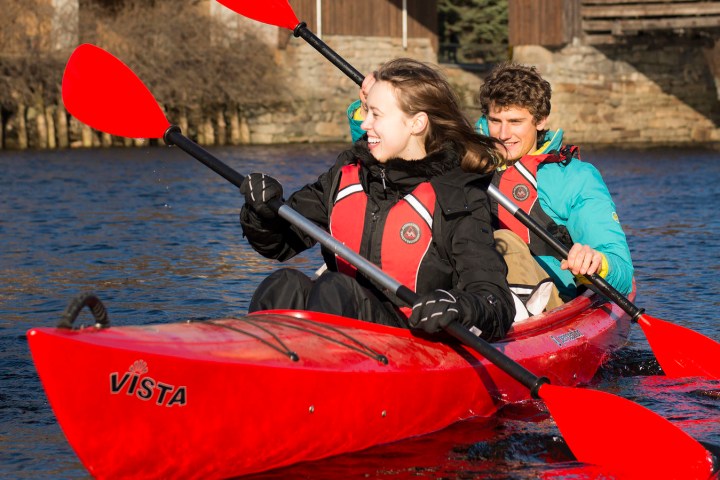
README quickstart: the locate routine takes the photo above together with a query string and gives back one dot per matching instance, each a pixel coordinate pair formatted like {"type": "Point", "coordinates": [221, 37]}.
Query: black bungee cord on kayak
{"type": "Point", "coordinates": [355, 344]}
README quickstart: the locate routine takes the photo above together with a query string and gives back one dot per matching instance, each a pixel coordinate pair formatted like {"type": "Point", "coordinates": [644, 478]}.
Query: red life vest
{"type": "Point", "coordinates": [519, 183]}
{"type": "Point", "coordinates": [406, 235]}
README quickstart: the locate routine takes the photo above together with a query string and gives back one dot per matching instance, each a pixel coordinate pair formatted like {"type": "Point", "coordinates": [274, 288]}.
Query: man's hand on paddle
{"type": "Point", "coordinates": [582, 260]}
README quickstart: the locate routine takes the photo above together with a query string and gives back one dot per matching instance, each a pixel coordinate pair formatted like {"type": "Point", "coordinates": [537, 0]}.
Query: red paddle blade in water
{"type": "Point", "coordinates": [273, 12]}
{"type": "Point", "coordinates": [102, 92]}
{"type": "Point", "coordinates": [680, 351]}
{"type": "Point", "coordinates": [624, 437]}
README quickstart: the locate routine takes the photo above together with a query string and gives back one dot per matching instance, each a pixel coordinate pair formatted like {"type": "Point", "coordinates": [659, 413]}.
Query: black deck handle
{"type": "Point", "coordinates": [87, 299]}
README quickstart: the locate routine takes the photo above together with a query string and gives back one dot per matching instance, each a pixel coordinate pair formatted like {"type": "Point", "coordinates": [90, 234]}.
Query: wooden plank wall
{"type": "Point", "coordinates": [556, 22]}
{"type": "Point", "coordinates": [376, 18]}
{"type": "Point", "coordinates": [610, 21]}
{"type": "Point", "coordinates": [539, 22]}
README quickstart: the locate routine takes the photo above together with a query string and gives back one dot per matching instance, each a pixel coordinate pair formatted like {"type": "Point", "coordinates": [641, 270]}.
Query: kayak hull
{"type": "Point", "coordinates": [223, 398]}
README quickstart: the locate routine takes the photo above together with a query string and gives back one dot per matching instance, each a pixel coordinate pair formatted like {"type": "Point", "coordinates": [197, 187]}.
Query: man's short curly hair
{"type": "Point", "coordinates": [514, 85]}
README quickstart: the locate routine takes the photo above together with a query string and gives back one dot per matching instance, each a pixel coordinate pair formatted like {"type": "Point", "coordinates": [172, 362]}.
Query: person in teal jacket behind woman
{"type": "Point", "coordinates": [549, 181]}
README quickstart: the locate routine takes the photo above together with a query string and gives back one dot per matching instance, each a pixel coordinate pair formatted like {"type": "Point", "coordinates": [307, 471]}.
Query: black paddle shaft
{"type": "Point", "coordinates": [302, 31]}
{"type": "Point", "coordinates": [174, 136]}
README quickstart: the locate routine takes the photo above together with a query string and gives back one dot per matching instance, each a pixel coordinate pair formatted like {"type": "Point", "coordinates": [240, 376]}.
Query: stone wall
{"type": "Point", "coordinates": [318, 93]}
{"type": "Point", "coordinates": [652, 91]}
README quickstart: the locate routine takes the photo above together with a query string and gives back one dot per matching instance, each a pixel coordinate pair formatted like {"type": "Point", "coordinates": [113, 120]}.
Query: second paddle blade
{"type": "Point", "coordinates": [624, 437]}
{"type": "Point", "coordinates": [680, 351]}
{"type": "Point", "coordinates": [273, 12]}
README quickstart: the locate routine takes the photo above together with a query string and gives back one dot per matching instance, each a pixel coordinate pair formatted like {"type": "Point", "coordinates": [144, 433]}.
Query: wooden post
{"type": "Point", "coordinates": [37, 114]}
{"type": "Point", "coordinates": [62, 126]}
{"type": "Point", "coordinates": [22, 139]}
{"type": "Point", "coordinates": [221, 128]}
{"type": "Point", "coordinates": [573, 20]}
{"type": "Point", "coordinates": [234, 127]}
{"type": "Point", "coordinates": [50, 123]}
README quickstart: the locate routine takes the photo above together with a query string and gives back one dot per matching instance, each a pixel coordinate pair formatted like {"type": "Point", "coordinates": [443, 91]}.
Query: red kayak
{"type": "Point", "coordinates": [223, 398]}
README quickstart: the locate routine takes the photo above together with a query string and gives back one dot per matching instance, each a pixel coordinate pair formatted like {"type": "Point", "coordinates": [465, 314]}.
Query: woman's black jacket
{"type": "Point", "coordinates": [462, 257]}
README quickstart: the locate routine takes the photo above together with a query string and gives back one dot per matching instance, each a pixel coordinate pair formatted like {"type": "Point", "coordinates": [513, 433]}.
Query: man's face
{"type": "Point", "coordinates": [515, 128]}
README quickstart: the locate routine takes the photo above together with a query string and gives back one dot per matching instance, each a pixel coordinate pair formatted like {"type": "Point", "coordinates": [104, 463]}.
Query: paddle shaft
{"type": "Point", "coordinates": [602, 284]}
{"type": "Point", "coordinates": [303, 32]}
{"type": "Point", "coordinates": [174, 136]}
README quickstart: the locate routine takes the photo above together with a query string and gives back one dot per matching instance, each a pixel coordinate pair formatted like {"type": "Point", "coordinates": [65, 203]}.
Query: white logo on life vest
{"type": "Point", "coordinates": [410, 233]}
{"type": "Point", "coordinates": [146, 388]}
{"type": "Point", "coordinates": [520, 192]}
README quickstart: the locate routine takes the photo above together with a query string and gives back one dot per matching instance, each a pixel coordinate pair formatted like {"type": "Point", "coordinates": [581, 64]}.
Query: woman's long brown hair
{"type": "Point", "coordinates": [421, 88]}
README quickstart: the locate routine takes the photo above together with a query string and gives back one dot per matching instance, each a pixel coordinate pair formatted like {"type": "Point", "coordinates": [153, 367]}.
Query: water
{"type": "Point", "coordinates": [156, 235]}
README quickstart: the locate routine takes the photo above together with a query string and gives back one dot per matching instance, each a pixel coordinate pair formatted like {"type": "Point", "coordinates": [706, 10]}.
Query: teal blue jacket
{"type": "Point", "coordinates": [355, 131]}
{"type": "Point", "coordinates": [573, 195]}
{"type": "Point", "coordinates": [576, 196]}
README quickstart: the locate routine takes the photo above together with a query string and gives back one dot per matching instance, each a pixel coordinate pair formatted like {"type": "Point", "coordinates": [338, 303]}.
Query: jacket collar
{"type": "Point", "coordinates": [402, 174]}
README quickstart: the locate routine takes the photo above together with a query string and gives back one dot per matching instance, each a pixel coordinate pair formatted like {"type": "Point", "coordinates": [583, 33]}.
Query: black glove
{"type": "Point", "coordinates": [259, 189]}
{"type": "Point", "coordinates": [435, 311]}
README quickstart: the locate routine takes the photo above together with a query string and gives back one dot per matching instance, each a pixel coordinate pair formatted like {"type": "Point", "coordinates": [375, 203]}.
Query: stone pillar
{"type": "Point", "coordinates": [244, 130]}
{"type": "Point", "coordinates": [234, 128]}
{"type": "Point", "coordinates": [36, 115]}
{"type": "Point", "coordinates": [221, 128]}
{"type": "Point", "coordinates": [63, 139]}
{"type": "Point", "coordinates": [208, 132]}
{"type": "Point", "coordinates": [50, 123]}
{"type": "Point", "coordinates": [86, 136]}
{"type": "Point", "coordinates": [22, 139]}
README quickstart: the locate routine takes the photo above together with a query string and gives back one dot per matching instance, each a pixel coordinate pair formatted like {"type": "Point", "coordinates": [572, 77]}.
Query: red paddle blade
{"type": "Point", "coordinates": [624, 437]}
{"type": "Point", "coordinates": [680, 351]}
{"type": "Point", "coordinates": [102, 92]}
{"type": "Point", "coordinates": [273, 12]}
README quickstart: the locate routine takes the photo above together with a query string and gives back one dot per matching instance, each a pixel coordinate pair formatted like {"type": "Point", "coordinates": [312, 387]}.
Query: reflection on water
{"type": "Point", "coordinates": [156, 235]}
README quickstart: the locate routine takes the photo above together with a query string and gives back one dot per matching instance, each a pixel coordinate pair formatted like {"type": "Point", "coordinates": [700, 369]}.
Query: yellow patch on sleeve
{"type": "Point", "coordinates": [359, 114]}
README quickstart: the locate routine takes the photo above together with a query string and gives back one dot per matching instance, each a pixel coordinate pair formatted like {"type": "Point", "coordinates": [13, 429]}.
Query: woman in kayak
{"type": "Point", "coordinates": [411, 199]}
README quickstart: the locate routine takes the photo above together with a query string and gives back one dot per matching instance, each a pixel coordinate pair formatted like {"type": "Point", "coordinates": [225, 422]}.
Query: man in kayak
{"type": "Point", "coordinates": [549, 181]}
{"type": "Point", "coordinates": [546, 179]}
{"type": "Point", "coordinates": [411, 198]}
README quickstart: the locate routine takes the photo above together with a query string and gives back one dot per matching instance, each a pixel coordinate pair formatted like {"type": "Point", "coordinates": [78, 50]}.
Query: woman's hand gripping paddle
{"type": "Point", "coordinates": [599, 428]}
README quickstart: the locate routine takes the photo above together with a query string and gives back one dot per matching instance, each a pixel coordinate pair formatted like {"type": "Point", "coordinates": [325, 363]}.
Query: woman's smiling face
{"type": "Point", "coordinates": [391, 132]}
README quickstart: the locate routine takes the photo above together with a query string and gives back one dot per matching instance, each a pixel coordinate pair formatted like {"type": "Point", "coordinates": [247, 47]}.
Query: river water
{"type": "Point", "coordinates": [155, 234]}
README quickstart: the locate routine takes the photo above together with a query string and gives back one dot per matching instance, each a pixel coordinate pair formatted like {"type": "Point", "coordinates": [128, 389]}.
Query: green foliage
{"type": "Point", "coordinates": [479, 29]}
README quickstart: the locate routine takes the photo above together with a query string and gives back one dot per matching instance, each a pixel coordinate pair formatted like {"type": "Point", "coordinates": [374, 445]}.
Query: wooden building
{"type": "Point", "coordinates": [603, 22]}
{"type": "Point", "coordinates": [370, 18]}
